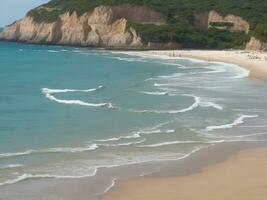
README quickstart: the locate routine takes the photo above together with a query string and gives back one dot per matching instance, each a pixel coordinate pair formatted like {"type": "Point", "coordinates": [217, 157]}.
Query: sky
{"type": "Point", "coordinates": [11, 10]}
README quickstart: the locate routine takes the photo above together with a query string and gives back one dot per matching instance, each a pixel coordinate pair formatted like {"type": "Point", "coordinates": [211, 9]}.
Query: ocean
{"type": "Point", "coordinates": [66, 113]}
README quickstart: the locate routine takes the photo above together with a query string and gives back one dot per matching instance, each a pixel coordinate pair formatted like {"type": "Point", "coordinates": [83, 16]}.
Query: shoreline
{"type": "Point", "coordinates": [226, 169]}
{"type": "Point", "coordinates": [227, 177]}
{"type": "Point", "coordinates": [255, 62]}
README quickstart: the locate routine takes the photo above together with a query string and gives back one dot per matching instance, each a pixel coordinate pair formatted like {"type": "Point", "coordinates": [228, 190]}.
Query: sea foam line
{"type": "Point", "coordinates": [137, 134]}
{"type": "Point", "coordinates": [25, 177]}
{"type": "Point", "coordinates": [11, 166]}
{"type": "Point", "coordinates": [198, 101]}
{"type": "Point", "coordinates": [48, 94]}
{"type": "Point", "coordinates": [90, 147]}
{"type": "Point", "coordinates": [238, 121]}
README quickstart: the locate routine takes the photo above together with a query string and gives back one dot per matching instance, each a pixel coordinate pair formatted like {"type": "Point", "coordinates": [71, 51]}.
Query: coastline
{"type": "Point", "coordinates": [224, 173]}
{"type": "Point", "coordinates": [255, 62]}
{"type": "Point", "coordinates": [232, 178]}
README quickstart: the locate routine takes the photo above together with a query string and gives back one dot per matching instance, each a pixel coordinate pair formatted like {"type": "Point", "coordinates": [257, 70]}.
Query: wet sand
{"type": "Point", "coordinates": [241, 177]}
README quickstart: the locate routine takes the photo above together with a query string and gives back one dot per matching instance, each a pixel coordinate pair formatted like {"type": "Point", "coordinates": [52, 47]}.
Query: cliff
{"type": "Point", "coordinates": [137, 24]}
{"type": "Point", "coordinates": [256, 45]}
{"type": "Point", "coordinates": [104, 26]}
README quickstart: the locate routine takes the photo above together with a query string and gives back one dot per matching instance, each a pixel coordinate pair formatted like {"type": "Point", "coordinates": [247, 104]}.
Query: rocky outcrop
{"type": "Point", "coordinates": [256, 45]}
{"type": "Point", "coordinates": [238, 23]}
{"type": "Point", "coordinates": [105, 26]}
{"type": "Point", "coordinates": [208, 20]}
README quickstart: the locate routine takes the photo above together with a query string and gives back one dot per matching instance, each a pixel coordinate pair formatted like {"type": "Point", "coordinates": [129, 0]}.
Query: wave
{"type": "Point", "coordinates": [113, 182]}
{"type": "Point", "coordinates": [27, 152]}
{"type": "Point", "coordinates": [198, 101]}
{"type": "Point", "coordinates": [136, 134]}
{"type": "Point", "coordinates": [242, 73]}
{"type": "Point", "coordinates": [48, 94]}
{"type": "Point", "coordinates": [239, 120]}
{"type": "Point", "coordinates": [155, 93]}
{"type": "Point", "coordinates": [70, 150]}
{"type": "Point", "coordinates": [205, 142]}
{"type": "Point", "coordinates": [193, 106]}
{"type": "Point", "coordinates": [11, 166]}
{"type": "Point", "coordinates": [123, 144]}
{"type": "Point", "coordinates": [180, 142]}
{"type": "Point", "coordinates": [51, 150]}
{"type": "Point", "coordinates": [53, 51]}
{"type": "Point", "coordinates": [52, 91]}
{"type": "Point", "coordinates": [235, 136]}
{"type": "Point", "coordinates": [25, 177]}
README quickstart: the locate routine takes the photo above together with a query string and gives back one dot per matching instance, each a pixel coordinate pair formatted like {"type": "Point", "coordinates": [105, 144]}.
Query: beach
{"type": "Point", "coordinates": [241, 177]}
{"type": "Point", "coordinates": [255, 62]}
{"type": "Point", "coordinates": [115, 116]}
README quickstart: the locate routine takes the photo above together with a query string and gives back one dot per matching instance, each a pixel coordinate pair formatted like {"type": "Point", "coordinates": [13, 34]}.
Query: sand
{"type": "Point", "coordinates": [255, 62]}
{"type": "Point", "coordinates": [242, 177]}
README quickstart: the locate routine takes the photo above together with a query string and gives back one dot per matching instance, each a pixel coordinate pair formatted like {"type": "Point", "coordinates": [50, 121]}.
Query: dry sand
{"type": "Point", "coordinates": [255, 62]}
{"type": "Point", "coordinates": [242, 177]}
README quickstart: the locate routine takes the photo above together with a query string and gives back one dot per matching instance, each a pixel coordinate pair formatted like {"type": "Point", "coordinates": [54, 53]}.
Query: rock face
{"type": "Point", "coordinates": [205, 21]}
{"type": "Point", "coordinates": [239, 24]}
{"type": "Point", "coordinates": [105, 26]}
{"type": "Point", "coordinates": [256, 45]}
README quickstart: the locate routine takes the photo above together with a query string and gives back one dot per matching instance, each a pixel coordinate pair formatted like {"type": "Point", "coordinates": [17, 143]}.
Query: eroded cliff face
{"type": "Point", "coordinates": [205, 20]}
{"type": "Point", "coordinates": [104, 26]}
{"type": "Point", "coordinates": [239, 24]}
{"type": "Point", "coordinates": [256, 45]}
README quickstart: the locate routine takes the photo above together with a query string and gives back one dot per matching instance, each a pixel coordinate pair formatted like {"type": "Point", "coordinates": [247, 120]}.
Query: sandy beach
{"type": "Point", "coordinates": [241, 177]}
{"type": "Point", "coordinates": [255, 62]}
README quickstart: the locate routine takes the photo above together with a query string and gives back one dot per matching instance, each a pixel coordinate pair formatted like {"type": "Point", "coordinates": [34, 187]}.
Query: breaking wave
{"type": "Point", "coordinates": [49, 94]}
{"type": "Point", "coordinates": [237, 121]}
{"type": "Point", "coordinates": [198, 101]}
{"type": "Point", "coordinates": [25, 177]}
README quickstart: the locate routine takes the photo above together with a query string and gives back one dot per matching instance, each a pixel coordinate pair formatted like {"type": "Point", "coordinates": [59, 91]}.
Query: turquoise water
{"type": "Point", "coordinates": [65, 112]}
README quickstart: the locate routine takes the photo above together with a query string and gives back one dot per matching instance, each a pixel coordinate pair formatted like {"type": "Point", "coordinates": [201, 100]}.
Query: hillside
{"type": "Point", "coordinates": [215, 24]}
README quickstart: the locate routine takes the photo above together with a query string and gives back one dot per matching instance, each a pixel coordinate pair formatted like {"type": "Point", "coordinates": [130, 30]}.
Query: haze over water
{"type": "Point", "coordinates": [65, 112]}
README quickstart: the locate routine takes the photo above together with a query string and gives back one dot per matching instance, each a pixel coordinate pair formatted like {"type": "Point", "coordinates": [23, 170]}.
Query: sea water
{"type": "Point", "coordinates": [66, 112]}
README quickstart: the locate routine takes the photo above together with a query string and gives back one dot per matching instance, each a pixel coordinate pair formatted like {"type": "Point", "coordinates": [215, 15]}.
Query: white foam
{"type": "Point", "coordinates": [71, 150]}
{"type": "Point", "coordinates": [52, 51]}
{"type": "Point", "coordinates": [243, 73]}
{"type": "Point", "coordinates": [180, 142]}
{"type": "Point", "coordinates": [15, 154]}
{"type": "Point", "coordinates": [25, 177]}
{"type": "Point", "coordinates": [136, 134]}
{"type": "Point", "coordinates": [123, 144]}
{"type": "Point", "coordinates": [211, 104]}
{"type": "Point", "coordinates": [133, 136]}
{"type": "Point", "coordinates": [235, 136]}
{"type": "Point", "coordinates": [113, 182]}
{"type": "Point", "coordinates": [52, 91]}
{"type": "Point", "coordinates": [51, 150]}
{"type": "Point", "coordinates": [11, 166]}
{"type": "Point", "coordinates": [238, 121]}
{"type": "Point", "coordinates": [48, 94]}
{"type": "Point", "coordinates": [191, 107]}
{"type": "Point", "coordinates": [155, 93]}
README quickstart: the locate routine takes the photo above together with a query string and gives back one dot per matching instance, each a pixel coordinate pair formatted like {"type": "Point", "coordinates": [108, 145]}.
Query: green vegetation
{"type": "Point", "coordinates": [260, 32]}
{"type": "Point", "coordinates": [180, 15]}
{"type": "Point", "coordinates": [190, 37]}
{"type": "Point", "coordinates": [42, 15]}
{"type": "Point", "coordinates": [221, 24]}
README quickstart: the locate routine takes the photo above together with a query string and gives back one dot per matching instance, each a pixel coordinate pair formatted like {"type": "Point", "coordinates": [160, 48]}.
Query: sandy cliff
{"type": "Point", "coordinates": [104, 26]}
{"type": "Point", "coordinates": [256, 45]}
{"type": "Point", "coordinates": [205, 20]}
